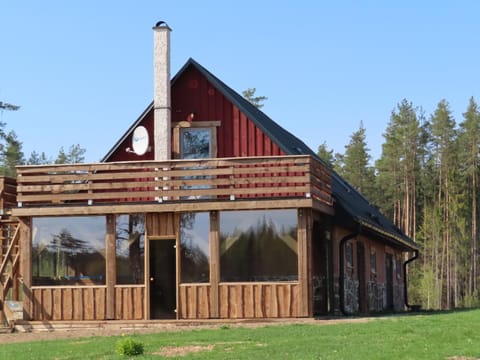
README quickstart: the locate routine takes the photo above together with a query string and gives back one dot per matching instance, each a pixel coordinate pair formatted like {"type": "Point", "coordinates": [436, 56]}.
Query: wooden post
{"type": "Point", "coordinates": [304, 262]}
{"type": "Point", "coordinates": [26, 266]}
{"type": "Point", "coordinates": [214, 263]}
{"type": "Point", "coordinates": [111, 266]}
{"type": "Point", "coordinates": [176, 235]}
{"type": "Point", "coordinates": [146, 271]}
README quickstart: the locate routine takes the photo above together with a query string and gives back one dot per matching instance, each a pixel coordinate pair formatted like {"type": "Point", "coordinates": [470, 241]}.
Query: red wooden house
{"type": "Point", "coordinates": [205, 208]}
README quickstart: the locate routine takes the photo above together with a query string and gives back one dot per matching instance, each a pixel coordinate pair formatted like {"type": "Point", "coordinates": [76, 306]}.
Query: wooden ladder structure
{"type": "Point", "coordinates": [9, 261]}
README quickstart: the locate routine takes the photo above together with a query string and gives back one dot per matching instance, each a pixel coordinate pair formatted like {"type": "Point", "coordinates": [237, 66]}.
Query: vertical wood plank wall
{"type": "Point", "coordinates": [241, 300]}
{"type": "Point", "coordinates": [161, 225]}
{"type": "Point", "coordinates": [195, 301]}
{"type": "Point", "coordinates": [68, 303]}
{"type": "Point", "coordinates": [130, 302]}
{"type": "Point", "coordinates": [87, 303]}
{"type": "Point", "coordinates": [259, 300]}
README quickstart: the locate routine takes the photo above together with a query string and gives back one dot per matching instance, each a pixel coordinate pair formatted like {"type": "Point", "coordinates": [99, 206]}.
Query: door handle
{"type": "Point", "coordinates": [152, 279]}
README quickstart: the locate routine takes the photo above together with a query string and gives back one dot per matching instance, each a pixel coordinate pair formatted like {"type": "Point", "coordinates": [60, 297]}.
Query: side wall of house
{"type": "Point", "coordinates": [373, 274]}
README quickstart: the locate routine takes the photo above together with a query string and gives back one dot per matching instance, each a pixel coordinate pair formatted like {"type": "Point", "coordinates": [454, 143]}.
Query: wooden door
{"type": "Point", "coordinates": [320, 270]}
{"type": "Point", "coordinates": [163, 289]}
{"type": "Point", "coordinates": [389, 280]}
{"type": "Point", "coordinates": [362, 291]}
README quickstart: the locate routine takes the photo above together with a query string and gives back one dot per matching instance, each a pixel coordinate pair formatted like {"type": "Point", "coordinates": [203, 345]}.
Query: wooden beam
{"type": "Point", "coordinates": [175, 206]}
{"type": "Point", "coordinates": [214, 241]}
{"type": "Point", "coordinates": [146, 271]}
{"type": "Point", "coordinates": [304, 262]}
{"type": "Point", "coordinates": [26, 266]}
{"type": "Point", "coordinates": [176, 236]}
{"type": "Point", "coordinates": [111, 266]}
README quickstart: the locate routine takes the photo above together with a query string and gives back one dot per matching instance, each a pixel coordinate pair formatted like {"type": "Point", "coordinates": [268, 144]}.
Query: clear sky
{"type": "Point", "coordinates": [82, 70]}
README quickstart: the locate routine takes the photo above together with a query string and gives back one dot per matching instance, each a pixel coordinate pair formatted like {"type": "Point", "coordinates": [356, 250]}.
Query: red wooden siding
{"type": "Point", "coordinates": [237, 136]}
{"type": "Point", "coordinates": [192, 92]}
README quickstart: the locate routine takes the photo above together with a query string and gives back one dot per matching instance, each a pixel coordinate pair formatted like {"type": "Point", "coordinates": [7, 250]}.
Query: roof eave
{"type": "Point", "coordinates": [387, 234]}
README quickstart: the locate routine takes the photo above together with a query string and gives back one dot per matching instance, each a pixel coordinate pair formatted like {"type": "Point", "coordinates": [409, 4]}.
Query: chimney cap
{"type": "Point", "coordinates": [162, 24]}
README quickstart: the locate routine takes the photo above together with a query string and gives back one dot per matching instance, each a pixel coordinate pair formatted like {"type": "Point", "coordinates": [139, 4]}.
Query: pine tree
{"type": "Point", "coordinates": [399, 165]}
{"type": "Point", "coordinates": [38, 159]}
{"type": "Point", "coordinates": [325, 154]}
{"type": "Point", "coordinates": [469, 148]}
{"type": "Point", "coordinates": [7, 106]}
{"type": "Point", "coordinates": [356, 169]}
{"type": "Point", "coordinates": [444, 159]}
{"type": "Point", "coordinates": [11, 154]}
{"type": "Point", "coordinates": [74, 155]}
{"type": "Point", "coordinates": [256, 101]}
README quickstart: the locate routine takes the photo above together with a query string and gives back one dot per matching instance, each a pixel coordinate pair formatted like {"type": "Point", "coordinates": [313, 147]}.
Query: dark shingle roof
{"type": "Point", "coordinates": [350, 201]}
{"type": "Point", "coordinates": [345, 195]}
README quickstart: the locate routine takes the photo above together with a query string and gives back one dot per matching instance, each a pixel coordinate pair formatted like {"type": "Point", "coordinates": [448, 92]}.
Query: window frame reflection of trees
{"type": "Point", "coordinates": [130, 249]}
{"type": "Point", "coordinates": [194, 261]}
{"type": "Point", "coordinates": [259, 246]}
{"type": "Point", "coordinates": [68, 250]}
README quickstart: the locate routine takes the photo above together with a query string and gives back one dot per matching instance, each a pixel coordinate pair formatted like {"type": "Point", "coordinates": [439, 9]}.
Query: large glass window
{"type": "Point", "coordinates": [194, 254]}
{"type": "Point", "coordinates": [130, 249]}
{"type": "Point", "coordinates": [68, 250]}
{"type": "Point", "coordinates": [258, 246]}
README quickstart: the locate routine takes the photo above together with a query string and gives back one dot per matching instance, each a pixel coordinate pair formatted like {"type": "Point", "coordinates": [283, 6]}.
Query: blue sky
{"type": "Point", "coordinates": [82, 70]}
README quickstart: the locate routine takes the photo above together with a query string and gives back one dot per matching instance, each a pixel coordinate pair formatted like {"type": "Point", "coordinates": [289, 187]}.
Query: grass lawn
{"type": "Point", "coordinates": [454, 335]}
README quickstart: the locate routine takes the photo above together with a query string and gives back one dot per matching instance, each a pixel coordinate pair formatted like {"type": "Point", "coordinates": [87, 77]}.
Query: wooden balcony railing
{"type": "Point", "coordinates": [8, 194]}
{"type": "Point", "coordinates": [175, 180]}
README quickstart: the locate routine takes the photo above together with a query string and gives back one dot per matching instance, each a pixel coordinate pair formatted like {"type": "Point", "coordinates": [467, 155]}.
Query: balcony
{"type": "Point", "coordinates": [175, 185]}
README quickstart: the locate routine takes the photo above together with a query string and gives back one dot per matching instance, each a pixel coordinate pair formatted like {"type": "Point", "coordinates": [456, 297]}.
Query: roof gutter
{"type": "Point", "coordinates": [399, 239]}
{"type": "Point", "coordinates": [405, 280]}
{"type": "Point", "coordinates": [341, 280]}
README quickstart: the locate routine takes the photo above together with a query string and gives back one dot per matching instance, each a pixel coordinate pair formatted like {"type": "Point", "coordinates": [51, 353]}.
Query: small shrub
{"type": "Point", "coordinates": [129, 347]}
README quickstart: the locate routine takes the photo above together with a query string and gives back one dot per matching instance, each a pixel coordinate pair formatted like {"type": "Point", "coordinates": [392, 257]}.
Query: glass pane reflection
{"type": "Point", "coordinates": [194, 254]}
{"type": "Point", "coordinates": [68, 250]}
{"type": "Point", "coordinates": [130, 249]}
{"type": "Point", "coordinates": [258, 246]}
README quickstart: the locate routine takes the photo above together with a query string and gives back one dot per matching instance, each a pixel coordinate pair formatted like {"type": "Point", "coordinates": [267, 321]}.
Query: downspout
{"type": "Point", "coordinates": [342, 270]}
{"type": "Point", "coordinates": [405, 281]}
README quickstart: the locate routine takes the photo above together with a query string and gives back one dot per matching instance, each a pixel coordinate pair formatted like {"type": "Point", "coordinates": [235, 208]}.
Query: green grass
{"type": "Point", "coordinates": [427, 336]}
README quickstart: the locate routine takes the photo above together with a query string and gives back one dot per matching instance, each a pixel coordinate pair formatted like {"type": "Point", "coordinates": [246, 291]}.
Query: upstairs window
{"type": "Point", "coordinates": [195, 143]}
{"type": "Point", "coordinates": [195, 140]}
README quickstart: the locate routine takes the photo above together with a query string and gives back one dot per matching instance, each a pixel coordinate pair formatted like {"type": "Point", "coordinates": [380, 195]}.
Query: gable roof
{"type": "Point", "coordinates": [351, 202]}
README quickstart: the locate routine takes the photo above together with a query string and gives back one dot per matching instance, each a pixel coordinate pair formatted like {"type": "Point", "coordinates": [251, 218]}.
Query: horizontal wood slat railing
{"type": "Point", "coordinates": [8, 194]}
{"type": "Point", "coordinates": [175, 180]}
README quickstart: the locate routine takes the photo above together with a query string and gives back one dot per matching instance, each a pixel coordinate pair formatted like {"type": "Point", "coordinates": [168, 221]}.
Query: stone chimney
{"type": "Point", "coordinates": [161, 100]}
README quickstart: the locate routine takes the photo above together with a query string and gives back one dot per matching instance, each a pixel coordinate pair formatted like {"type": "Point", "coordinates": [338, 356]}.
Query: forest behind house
{"type": "Point", "coordinates": [427, 181]}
